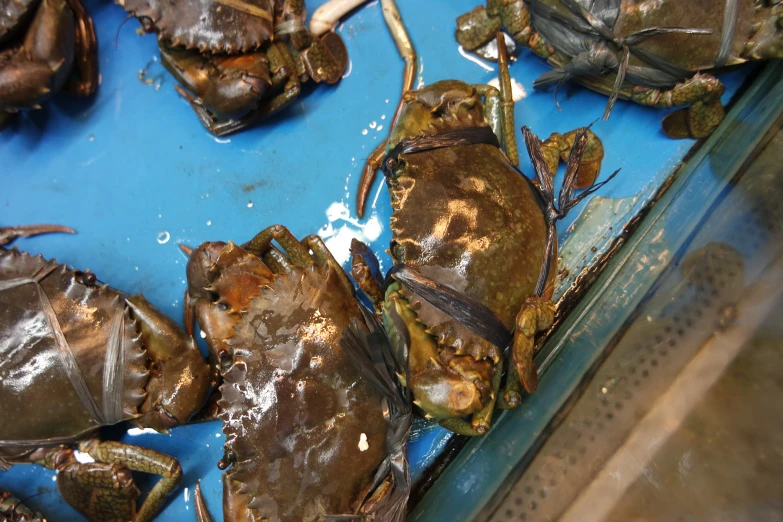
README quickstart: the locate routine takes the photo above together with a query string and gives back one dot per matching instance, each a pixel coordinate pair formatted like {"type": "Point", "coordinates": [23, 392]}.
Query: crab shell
{"type": "Point", "coordinates": [692, 52]}
{"type": "Point", "coordinates": [14, 13]}
{"type": "Point", "coordinates": [304, 432]}
{"type": "Point", "coordinates": [464, 217]}
{"type": "Point", "coordinates": [40, 404]}
{"type": "Point", "coordinates": [227, 26]}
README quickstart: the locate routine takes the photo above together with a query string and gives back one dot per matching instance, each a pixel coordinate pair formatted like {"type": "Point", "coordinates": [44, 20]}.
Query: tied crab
{"type": "Point", "coordinates": [76, 355]}
{"type": "Point", "coordinates": [45, 46]}
{"type": "Point", "coordinates": [239, 61]}
{"type": "Point", "coordinates": [654, 53]}
{"type": "Point", "coordinates": [474, 247]}
{"type": "Point", "coordinates": [308, 433]}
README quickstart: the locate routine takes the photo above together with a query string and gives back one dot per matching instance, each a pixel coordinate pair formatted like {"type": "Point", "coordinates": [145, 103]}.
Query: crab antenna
{"type": "Point", "coordinates": [186, 249]}
{"type": "Point", "coordinates": [394, 21]}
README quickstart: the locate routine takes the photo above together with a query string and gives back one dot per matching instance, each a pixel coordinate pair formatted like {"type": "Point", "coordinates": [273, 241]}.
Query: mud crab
{"type": "Point", "coordinates": [307, 434]}
{"type": "Point", "coordinates": [239, 61]}
{"type": "Point", "coordinates": [76, 355]}
{"type": "Point", "coordinates": [654, 53]}
{"type": "Point", "coordinates": [45, 45]}
{"type": "Point", "coordinates": [13, 510]}
{"type": "Point", "coordinates": [474, 247]}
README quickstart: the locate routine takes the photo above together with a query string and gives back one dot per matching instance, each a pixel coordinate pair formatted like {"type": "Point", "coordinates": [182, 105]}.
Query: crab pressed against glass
{"type": "Point", "coordinates": [45, 46]}
{"type": "Point", "coordinates": [239, 61]}
{"type": "Point", "coordinates": [307, 433]}
{"type": "Point", "coordinates": [76, 355]}
{"type": "Point", "coordinates": [654, 53]}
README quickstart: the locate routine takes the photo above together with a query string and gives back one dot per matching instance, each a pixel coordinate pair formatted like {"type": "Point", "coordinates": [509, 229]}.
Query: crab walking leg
{"type": "Point", "coordinates": [9, 234]}
{"type": "Point", "coordinates": [404, 45]}
{"type": "Point", "coordinates": [326, 17]}
{"type": "Point", "coordinates": [535, 316]}
{"type": "Point", "coordinates": [284, 70]}
{"type": "Point", "coordinates": [324, 257]}
{"type": "Point", "coordinates": [261, 244]}
{"type": "Point", "coordinates": [86, 57]}
{"type": "Point", "coordinates": [702, 93]}
{"type": "Point", "coordinates": [139, 459]}
{"type": "Point", "coordinates": [202, 513]}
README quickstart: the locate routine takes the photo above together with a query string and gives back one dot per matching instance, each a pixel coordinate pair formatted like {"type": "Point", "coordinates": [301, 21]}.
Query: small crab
{"type": "Point", "coordinates": [308, 433]}
{"type": "Point", "coordinates": [654, 53]}
{"type": "Point", "coordinates": [474, 246]}
{"type": "Point", "coordinates": [76, 355]}
{"type": "Point", "coordinates": [239, 61]}
{"type": "Point", "coordinates": [13, 510]}
{"type": "Point", "coordinates": [45, 46]}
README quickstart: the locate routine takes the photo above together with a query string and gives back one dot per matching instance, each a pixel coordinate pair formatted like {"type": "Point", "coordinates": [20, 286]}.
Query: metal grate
{"type": "Point", "coordinates": [692, 301]}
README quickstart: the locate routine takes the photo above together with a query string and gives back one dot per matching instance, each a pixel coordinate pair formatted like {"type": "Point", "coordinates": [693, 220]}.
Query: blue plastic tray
{"type": "Point", "coordinates": [134, 172]}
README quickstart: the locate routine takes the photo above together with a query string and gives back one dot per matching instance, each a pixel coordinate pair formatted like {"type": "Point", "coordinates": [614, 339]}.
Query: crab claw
{"type": "Point", "coordinates": [186, 249]}
{"type": "Point", "coordinates": [8, 234]}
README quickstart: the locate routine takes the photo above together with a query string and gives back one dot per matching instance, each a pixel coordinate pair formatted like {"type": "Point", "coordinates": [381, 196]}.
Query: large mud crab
{"type": "Point", "coordinates": [239, 61]}
{"type": "Point", "coordinates": [45, 45]}
{"type": "Point", "coordinates": [76, 355]}
{"type": "Point", "coordinates": [307, 435]}
{"type": "Point", "coordinates": [474, 247]}
{"type": "Point", "coordinates": [654, 53]}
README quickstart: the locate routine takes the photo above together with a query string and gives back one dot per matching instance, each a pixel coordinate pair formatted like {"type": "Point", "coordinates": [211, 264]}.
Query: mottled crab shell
{"type": "Point", "coordinates": [306, 432]}
{"type": "Point", "coordinates": [218, 26]}
{"type": "Point", "coordinates": [38, 398]}
{"type": "Point", "coordinates": [12, 14]}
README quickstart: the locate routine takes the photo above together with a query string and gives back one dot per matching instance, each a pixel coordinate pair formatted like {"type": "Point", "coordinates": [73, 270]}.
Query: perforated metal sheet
{"type": "Point", "coordinates": [738, 241]}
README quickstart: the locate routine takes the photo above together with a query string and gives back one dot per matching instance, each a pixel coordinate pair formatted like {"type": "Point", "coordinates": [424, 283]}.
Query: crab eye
{"type": "Point", "coordinates": [167, 419]}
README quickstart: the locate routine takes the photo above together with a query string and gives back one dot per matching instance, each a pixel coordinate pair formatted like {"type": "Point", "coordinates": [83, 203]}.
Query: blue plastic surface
{"type": "Point", "coordinates": [134, 172]}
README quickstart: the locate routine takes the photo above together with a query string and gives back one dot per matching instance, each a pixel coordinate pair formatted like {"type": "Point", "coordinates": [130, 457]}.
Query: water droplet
{"type": "Point", "coordinates": [203, 334]}
{"type": "Point", "coordinates": [163, 237]}
{"type": "Point", "coordinates": [380, 128]}
{"type": "Point", "coordinates": [363, 444]}
{"type": "Point", "coordinates": [137, 268]}
{"type": "Point", "coordinates": [387, 100]}
{"type": "Point", "coordinates": [91, 138]}
{"type": "Point", "coordinates": [249, 204]}
{"type": "Point", "coordinates": [160, 216]}
{"type": "Point", "coordinates": [209, 223]}
{"type": "Point", "coordinates": [364, 132]}
{"type": "Point", "coordinates": [373, 125]}
{"type": "Point", "coordinates": [383, 116]}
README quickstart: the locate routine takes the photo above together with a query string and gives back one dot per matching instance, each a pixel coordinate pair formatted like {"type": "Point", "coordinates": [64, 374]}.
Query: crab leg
{"type": "Point", "coordinates": [404, 45]}
{"type": "Point", "coordinates": [86, 54]}
{"type": "Point", "coordinates": [324, 257]}
{"type": "Point", "coordinates": [43, 63]}
{"type": "Point", "coordinates": [139, 459]}
{"type": "Point", "coordinates": [9, 234]}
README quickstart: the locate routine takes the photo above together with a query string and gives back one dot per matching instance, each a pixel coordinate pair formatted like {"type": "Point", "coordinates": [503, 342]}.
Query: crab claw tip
{"type": "Point", "coordinates": [186, 249]}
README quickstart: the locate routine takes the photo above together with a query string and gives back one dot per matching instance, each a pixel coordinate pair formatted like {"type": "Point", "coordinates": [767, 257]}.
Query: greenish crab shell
{"type": "Point", "coordinates": [464, 217]}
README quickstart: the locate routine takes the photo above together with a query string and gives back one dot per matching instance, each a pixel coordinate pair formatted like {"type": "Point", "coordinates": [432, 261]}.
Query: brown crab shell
{"type": "Point", "coordinates": [227, 26]}
{"type": "Point", "coordinates": [39, 403]}
{"type": "Point", "coordinates": [13, 13]}
{"type": "Point", "coordinates": [306, 432]}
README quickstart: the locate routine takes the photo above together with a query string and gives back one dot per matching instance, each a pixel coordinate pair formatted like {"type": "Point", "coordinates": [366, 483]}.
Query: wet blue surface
{"type": "Point", "coordinates": [134, 172]}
